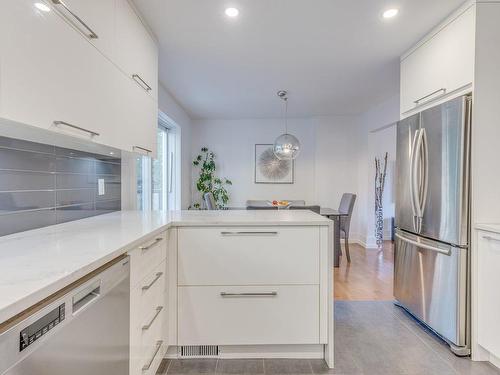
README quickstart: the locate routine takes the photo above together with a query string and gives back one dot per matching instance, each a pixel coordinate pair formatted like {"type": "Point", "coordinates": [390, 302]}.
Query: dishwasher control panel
{"type": "Point", "coordinates": [39, 328]}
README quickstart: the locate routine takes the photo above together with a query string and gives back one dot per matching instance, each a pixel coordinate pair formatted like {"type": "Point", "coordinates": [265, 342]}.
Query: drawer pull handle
{"type": "Point", "coordinates": [148, 326]}
{"type": "Point", "coordinates": [249, 233]}
{"type": "Point", "coordinates": [263, 294]}
{"type": "Point", "coordinates": [157, 277]}
{"type": "Point", "coordinates": [145, 248]}
{"type": "Point", "coordinates": [141, 82]}
{"type": "Point", "coordinates": [489, 238]}
{"type": "Point", "coordinates": [92, 133]}
{"type": "Point", "coordinates": [91, 34]}
{"type": "Point", "coordinates": [148, 365]}
{"type": "Point", "coordinates": [443, 90]}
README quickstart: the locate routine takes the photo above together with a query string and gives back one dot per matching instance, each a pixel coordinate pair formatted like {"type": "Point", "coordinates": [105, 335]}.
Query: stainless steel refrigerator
{"type": "Point", "coordinates": [432, 260]}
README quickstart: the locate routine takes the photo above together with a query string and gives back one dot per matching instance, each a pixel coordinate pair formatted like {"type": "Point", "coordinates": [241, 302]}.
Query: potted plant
{"type": "Point", "coordinates": [208, 181]}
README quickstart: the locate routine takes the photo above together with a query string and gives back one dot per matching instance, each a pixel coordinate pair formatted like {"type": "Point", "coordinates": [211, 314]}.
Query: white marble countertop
{"type": "Point", "coordinates": [37, 263]}
{"type": "Point", "coordinates": [495, 228]}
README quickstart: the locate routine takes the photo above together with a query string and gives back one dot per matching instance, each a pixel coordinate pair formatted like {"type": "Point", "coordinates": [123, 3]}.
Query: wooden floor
{"type": "Point", "coordinates": [368, 277]}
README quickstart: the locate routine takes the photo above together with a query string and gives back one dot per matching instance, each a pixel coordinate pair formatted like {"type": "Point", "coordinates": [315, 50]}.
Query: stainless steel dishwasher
{"type": "Point", "coordinates": [84, 331]}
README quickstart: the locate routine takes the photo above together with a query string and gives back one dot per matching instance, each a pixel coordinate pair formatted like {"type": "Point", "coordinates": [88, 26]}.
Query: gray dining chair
{"type": "Point", "coordinates": [209, 201]}
{"type": "Point", "coordinates": [315, 209]}
{"type": "Point", "coordinates": [346, 206]}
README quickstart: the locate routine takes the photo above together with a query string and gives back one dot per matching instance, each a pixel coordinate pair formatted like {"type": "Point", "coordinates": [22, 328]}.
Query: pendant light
{"type": "Point", "coordinates": [286, 146]}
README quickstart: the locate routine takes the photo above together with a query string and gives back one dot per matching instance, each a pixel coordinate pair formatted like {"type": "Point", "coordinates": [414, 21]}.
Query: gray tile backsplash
{"type": "Point", "coordinates": [42, 185]}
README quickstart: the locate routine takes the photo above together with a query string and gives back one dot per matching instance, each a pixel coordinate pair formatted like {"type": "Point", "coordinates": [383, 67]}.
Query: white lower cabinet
{"type": "Point", "coordinates": [148, 309]}
{"type": "Point", "coordinates": [488, 297]}
{"type": "Point", "coordinates": [248, 256]}
{"type": "Point", "coordinates": [250, 286]}
{"type": "Point", "coordinates": [243, 315]}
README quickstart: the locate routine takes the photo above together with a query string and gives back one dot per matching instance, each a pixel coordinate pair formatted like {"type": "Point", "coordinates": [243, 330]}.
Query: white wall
{"type": "Point", "coordinates": [233, 142]}
{"type": "Point", "coordinates": [376, 144]}
{"type": "Point", "coordinates": [337, 156]}
{"type": "Point", "coordinates": [169, 106]}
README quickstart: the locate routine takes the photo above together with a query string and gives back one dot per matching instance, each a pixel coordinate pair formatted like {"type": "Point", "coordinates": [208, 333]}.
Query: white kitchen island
{"type": "Point", "coordinates": [240, 284]}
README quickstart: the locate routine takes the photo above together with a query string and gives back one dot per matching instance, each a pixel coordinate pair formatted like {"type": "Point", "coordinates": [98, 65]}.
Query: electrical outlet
{"type": "Point", "coordinates": [101, 186]}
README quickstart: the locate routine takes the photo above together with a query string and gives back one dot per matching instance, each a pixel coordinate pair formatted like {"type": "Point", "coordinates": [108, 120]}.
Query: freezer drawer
{"type": "Point", "coordinates": [430, 281]}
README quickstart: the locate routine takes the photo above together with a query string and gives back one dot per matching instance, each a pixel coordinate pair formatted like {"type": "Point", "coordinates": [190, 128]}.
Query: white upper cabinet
{"type": "Point", "coordinates": [58, 71]}
{"type": "Point", "coordinates": [49, 73]}
{"type": "Point", "coordinates": [442, 64]}
{"type": "Point", "coordinates": [95, 19]}
{"type": "Point", "coordinates": [136, 120]}
{"type": "Point", "coordinates": [136, 51]}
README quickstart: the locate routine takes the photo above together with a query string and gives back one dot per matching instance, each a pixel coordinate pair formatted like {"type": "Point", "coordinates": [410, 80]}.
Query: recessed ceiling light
{"type": "Point", "coordinates": [42, 7]}
{"type": "Point", "coordinates": [232, 12]}
{"type": "Point", "coordinates": [389, 13]}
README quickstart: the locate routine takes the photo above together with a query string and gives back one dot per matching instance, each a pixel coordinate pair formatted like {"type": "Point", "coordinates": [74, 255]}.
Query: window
{"type": "Point", "coordinates": [158, 179]}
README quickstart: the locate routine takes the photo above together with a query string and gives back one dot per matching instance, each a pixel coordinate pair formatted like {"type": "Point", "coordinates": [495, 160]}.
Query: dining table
{"type": "Point", "coordinates": [336, 216]}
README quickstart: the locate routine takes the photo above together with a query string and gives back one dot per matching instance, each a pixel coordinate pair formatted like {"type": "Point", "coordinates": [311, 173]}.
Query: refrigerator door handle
{"type": "Point", "coordinates": [424, 158]}
{"type": "Point", "coordinates": [416, 172]}
{"type": "Point", "coordinates": [412, 189]}
{"type": "Point", "coordinates": [422, 244]}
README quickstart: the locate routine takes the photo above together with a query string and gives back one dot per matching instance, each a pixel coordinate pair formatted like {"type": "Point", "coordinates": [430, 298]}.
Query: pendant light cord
{"type": "Point", "coordinates": [286, 115]}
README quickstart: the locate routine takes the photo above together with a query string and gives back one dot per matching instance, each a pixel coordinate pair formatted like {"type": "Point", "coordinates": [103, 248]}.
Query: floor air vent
{"type": "Point", "coordinates": [199, 351]}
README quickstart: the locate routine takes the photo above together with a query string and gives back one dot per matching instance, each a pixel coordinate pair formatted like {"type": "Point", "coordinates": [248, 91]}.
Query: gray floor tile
{"type": "Point", "coordinates": [371, 338]}
{"type": "Point", "coordinates": [240, 366]}
{"type": "Point", "coordinates": [163, 367]}
{"type": "Point", "coordinates": [287, 366]}
{"type": "Point", "coordinates": [192, 366]}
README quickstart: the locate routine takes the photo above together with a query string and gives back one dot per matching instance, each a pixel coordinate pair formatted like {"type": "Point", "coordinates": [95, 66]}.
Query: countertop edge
{"type": "Point", "coordinates": [31, 299]}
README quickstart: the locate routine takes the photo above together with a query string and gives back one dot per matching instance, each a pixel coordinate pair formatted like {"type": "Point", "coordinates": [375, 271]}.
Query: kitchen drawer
{"type": "Point", "coordinates": [147, 295]}
{"type": "Point", "coordinates": [248, 256]}
{"type": "Point", "coordinates": [146, 257]}
{"type": "Point", "coordinates": [206, 317]}
{"type": "Point", "coordinates": [488, 301]}
{"type": "Point", "coordinates": [143, 344]}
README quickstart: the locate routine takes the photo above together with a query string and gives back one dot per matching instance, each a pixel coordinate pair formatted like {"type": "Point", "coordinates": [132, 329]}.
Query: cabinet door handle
{"type": "Point", "coordinates": [91, 34]}
{"type": "Point", "coordinates": [145, 248]}
{"type": "Point", "coordinates": [141, 82]}
{"type": "Point", "coordinates": [147, 150]}
{"type": "Point", "coordinates": [263, 294]}
{"type": "Point", "coordinates": [150, 362]}
{"type": "Point", "coordinates": [489, 238]}
{"type": "Point", "coordinates": [157, 277]}
{"type": "Point", "coordinates": [249, 233]}
{"type": "Point", "coordinates": [91, 132]}
{"type": "Point", "coordinates": [443, 90]}
{"type": "Point", "coordinates": [148, 326]}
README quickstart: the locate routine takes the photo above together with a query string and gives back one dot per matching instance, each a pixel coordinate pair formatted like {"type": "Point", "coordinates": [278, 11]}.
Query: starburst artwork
{"type": "Point", "coordinates": [269, 169]}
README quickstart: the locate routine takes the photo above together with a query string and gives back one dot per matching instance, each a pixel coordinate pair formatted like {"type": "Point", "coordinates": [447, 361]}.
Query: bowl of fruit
{"type": "Point", "coordinates": [281, 204]}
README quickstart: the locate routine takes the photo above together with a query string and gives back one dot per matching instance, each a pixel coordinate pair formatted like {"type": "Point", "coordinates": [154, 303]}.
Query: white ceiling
{"type": "Point", "coordinates": [333, 56]}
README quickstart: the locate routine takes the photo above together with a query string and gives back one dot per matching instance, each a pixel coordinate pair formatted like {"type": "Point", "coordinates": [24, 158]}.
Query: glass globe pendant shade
{"type": "Point", "coordinates": [286, 147]}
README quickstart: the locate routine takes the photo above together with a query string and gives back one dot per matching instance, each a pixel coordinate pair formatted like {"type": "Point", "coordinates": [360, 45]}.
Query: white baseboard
{"type": "Point", "coordinates": [262, 351]}
{"type": "Point", "coordinates": [494, 360]}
